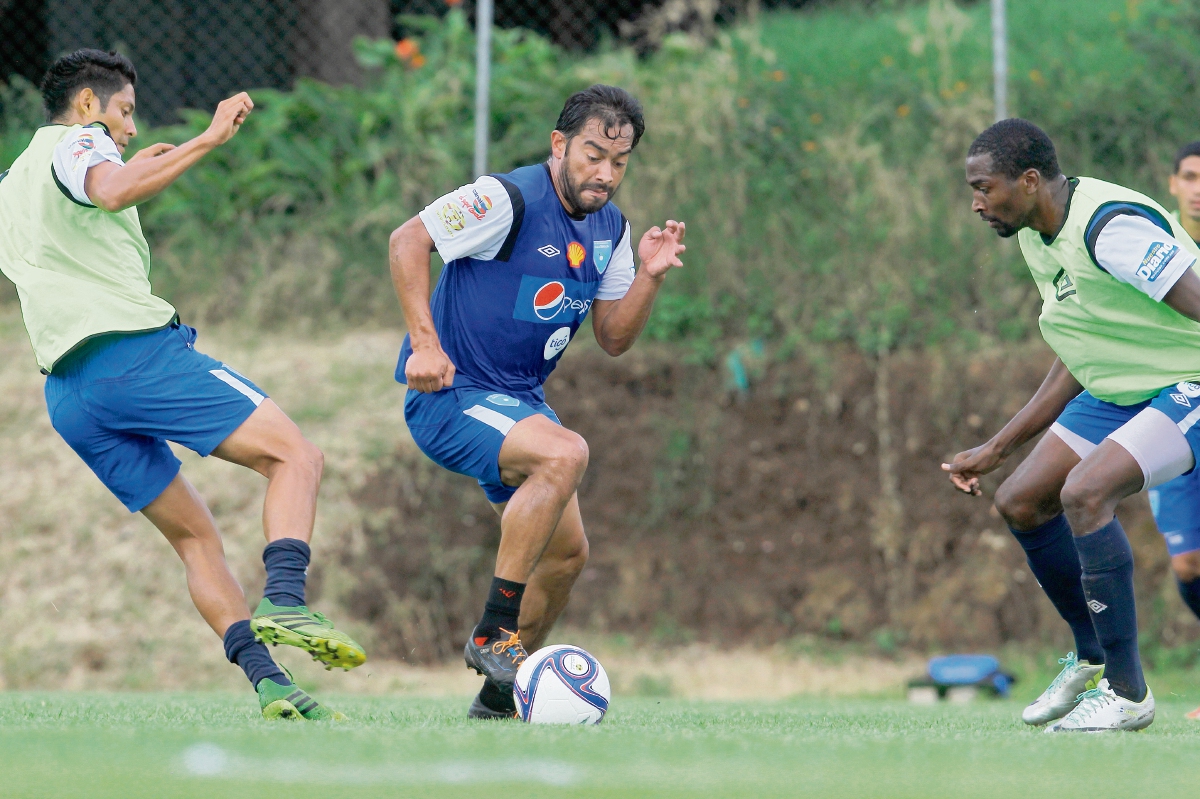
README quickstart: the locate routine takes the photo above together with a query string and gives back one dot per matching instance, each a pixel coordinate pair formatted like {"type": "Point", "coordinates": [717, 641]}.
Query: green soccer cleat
{"type": "Point", "coordinates": [290, 703]}
{"type": "Point", "coordinates": [308, 630]}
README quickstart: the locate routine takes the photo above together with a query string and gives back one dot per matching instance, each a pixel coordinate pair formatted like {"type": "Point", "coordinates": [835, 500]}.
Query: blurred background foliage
{"type": "Point", "coordinates": [816, 156]}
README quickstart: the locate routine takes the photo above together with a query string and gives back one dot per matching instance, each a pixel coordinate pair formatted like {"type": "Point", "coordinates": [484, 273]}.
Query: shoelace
{"type": "Point", "coordinates": [1091, 701]}
{"type": "Point", "coordinates": [512, 642]}
{"type": "Point", "coordinates": [1071, 666]}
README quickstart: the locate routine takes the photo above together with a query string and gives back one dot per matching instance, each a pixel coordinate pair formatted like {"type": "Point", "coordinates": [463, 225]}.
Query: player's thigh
{"type": "Point", "coordinates": [537, 442]}
{"type": "Point", "coordinates": [1101, 480]}
{"type": "Point", "coordinates": [1033, 489]}
{"type": "Point", "coordinates": [268, 437]}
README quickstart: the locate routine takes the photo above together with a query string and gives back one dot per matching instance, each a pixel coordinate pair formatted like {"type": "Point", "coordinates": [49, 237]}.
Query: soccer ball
{"type": "Point", "coordinates": [561, 685]}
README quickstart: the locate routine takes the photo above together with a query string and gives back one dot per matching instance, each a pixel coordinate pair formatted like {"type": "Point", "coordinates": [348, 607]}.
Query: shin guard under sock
{"type": "Point", "coordinates": [501, 611]}
{"type": "Point", "coordinates": [287, 566]}
{"type": "Point", "coordinates": [1191, 594]}
{"type": "Point", "coordinates": [1108, 584]}
{"type": "Point", "coordinates": [242, 648]}
{"type": "Point", "coordinates": [1050, 552]}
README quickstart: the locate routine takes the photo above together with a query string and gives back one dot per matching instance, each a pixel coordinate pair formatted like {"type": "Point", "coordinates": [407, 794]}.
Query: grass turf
{"type": "Point", "coordinates": [215, 745]}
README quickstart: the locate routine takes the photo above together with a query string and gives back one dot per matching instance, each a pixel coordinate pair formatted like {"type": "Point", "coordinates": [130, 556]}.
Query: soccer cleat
{"type": "Point", "coordinates": [310, 631]}
{"type": "Point", "coordinates": [1061, 697]}
{"type": "Point", "coordinates": [291, 703]}
{"type": "Point", "coordinates": [1101, 710]}
{"type": "Point", "coordinates": [497, 659]}
{"type": "Point", "coordinates": [479, 710]}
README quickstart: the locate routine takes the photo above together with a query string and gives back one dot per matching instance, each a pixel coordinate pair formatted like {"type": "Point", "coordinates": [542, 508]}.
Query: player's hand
{"type": "Point", "coordinates": [969, 466]}
{"type": "Point", "coordinates": [429, 370]}
{"type": "Point", "coordinates": [229, 117]}
{"type": "Point", "coordinates": [660, 249]}
{"type": "Point", "coordinates": [151, 151]}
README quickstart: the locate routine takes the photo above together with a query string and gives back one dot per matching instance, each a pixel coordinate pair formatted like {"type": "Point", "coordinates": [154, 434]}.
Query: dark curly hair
{"type": "Point", "coordinates": [613, 106]}
{"type": "Point", "coordinates": [1016, 145]}
{"type": "Point", "coordinates": [104, 73]}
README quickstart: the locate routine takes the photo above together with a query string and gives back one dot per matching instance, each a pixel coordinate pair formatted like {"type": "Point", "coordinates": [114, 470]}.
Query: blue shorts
{"type": "Point", "coordinates": [462, 429]}
{"type": "Point", "coordinates": [120, 398]}
{"type": "Point", "coordinates": [1087, 421]}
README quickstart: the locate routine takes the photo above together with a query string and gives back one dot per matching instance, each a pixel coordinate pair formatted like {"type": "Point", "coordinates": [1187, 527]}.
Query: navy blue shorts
{"type": "Point", "coordinates": [120, 398]}
{"type": "Point", "coordinates": [1087, 421]}
{"type": "Point", "coordinates": [462, 429]}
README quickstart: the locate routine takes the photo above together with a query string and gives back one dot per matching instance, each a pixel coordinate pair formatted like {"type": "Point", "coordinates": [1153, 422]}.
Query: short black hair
{"type": "Point", "coordinates": [1016, 145]}
{"type": "Point", "coordinates": [104, 73]}
{"type": "Point", "coordinates": [613, 106]}
{"type": "Point", "coordinates": [1184, 152]}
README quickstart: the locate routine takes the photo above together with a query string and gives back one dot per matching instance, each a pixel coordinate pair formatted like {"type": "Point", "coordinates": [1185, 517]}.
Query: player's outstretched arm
{"type": "Point", "coordinates": [618, 323]}
{"type": "Point", "coordinates": [1059, 388]}
{"type": "Point", "coordinates": [115, 188]}
{"type": "Point", "coordinates": [1184, 296]}
{"type": "Point", "coordinates": [429, 368]}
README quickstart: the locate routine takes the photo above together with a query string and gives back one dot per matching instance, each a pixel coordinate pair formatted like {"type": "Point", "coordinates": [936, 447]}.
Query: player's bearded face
{"type": "Point", "coordinates": [593, 165]}
{"type": "Point", "coordinates": [996, 199]}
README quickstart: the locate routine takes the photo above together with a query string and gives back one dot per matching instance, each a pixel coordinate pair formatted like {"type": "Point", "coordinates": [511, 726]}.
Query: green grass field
{"type": "Point", "coordinates": [214, 745]}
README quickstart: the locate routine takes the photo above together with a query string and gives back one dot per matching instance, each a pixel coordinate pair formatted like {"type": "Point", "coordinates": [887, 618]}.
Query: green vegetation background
{"type": "Point", "coordinates": [815, 156]}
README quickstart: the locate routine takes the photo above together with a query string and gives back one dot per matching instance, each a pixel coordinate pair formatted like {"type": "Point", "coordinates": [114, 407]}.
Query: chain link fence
{"type": "Point", "coordinates": [192, 54]}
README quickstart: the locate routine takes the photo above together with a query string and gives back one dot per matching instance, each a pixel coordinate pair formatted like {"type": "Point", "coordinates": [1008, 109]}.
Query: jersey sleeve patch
{"type": "Point", "coordinates": [1134, 250]}
{"type": "Point", "coordinates": [618, 273]}
{"type": "Point", "coordinates": [76, 154]}
{"type": "Point", "coordinates": [472, 222]}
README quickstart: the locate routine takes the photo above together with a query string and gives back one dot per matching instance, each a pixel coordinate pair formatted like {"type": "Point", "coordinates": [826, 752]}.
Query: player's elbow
{"type": "Point", "coordinates": [107, 200]}
{"type": "Point", "coordinates": [411, 233]}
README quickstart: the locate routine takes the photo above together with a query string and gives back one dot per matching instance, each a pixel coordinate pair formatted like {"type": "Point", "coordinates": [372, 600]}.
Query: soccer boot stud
{"type": "Point", "coordinates": [307, 630]}
{"type": "Point", "coordinates": [496, 658]}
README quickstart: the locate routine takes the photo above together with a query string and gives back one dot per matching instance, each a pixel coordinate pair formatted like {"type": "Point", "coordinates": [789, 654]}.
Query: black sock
{"type": "Point", "coordinates": [495, 698]}
{"type": "Point", "coordinates": [242, 648]}
{"type": "Point", "coordinates": [1108, 584]}
{"type": "Point", "coordinates": [1191, 594]}
{"type": "Point", "coordinates": [501, 611]}
{"type": "Point", "coordinates": [287, 566]}
{"type": "Point", "coordinates": [1050, 552]}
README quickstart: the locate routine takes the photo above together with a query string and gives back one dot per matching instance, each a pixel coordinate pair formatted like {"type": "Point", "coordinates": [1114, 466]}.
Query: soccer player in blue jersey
{"type": "Point", "coordinates": [528, 255]}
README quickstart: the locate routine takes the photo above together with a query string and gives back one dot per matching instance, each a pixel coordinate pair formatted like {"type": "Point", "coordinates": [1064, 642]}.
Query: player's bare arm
{"type": "Point", "coordinates": [618, 323]}
{"type": "Point", "coordinates": [1185, 296]}
{"type": "Point", "coordinates": [429, 369]}
{"type": "Point", "coordinates": [115, 188]}
{"type": "Point", "coordinates": [1059, 388]}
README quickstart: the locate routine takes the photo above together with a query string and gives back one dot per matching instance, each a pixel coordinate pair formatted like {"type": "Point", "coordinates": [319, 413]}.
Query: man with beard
{"type": "Point", "coordinates": [527, 255]}
{"type": "Point", "coordinates": [1120, 304]}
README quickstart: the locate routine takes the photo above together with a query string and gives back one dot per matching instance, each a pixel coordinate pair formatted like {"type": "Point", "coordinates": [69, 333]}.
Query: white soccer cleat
{"type": "Point", "coordinates": [1101, 710]}
{"type": "Point", "coordinates": [1063, 694]}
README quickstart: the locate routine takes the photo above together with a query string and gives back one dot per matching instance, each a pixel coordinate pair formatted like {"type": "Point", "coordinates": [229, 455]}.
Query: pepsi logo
{"type": "Point", "coordinates": [549, 299]}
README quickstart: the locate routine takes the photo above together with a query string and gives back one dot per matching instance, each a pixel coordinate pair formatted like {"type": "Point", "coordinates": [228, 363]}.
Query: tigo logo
{"type": "Point", "coordinates": [548, 300]}
{"type": "Point", "coordinates": [1188, 389]}
{"type": "Point", "coordinates": [557, 342]}
{"type": "Point", "coordinates": [575, 254]}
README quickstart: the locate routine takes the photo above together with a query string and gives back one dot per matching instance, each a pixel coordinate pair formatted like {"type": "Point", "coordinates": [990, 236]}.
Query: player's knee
{"type": "Point", "coordinates": [1186, 566]}
{"type": "Point", "coordinates": [568, 456]}
{"type": "Point", "coordinates": [1085, 502]}
{"type": "Point", "coordinates": [1015, 505]}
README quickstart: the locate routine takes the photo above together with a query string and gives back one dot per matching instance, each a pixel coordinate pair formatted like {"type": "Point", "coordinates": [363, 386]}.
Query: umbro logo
{"type": "Point", "coordinates": [1181, 400]}
{"type": "Point", "coordinates": [1097, 606]}
{"type": "Point", "coordinates": [549, 251]}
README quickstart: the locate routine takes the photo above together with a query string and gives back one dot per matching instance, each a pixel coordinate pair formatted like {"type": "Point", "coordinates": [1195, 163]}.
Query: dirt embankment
{"type": "Point", "coordinates": [811, 505]}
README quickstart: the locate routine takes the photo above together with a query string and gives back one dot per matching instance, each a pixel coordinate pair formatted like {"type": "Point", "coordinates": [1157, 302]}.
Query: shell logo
{"type": "Point", "coordinates": [575, 254]}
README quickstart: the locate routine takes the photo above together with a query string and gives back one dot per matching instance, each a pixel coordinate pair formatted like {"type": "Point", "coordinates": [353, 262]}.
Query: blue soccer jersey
{"type": "Point", "coordinates": [521, 274]}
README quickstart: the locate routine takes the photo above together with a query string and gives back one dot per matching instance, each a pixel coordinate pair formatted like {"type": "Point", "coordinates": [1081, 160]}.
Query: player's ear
{"type": "Point", "coordinates": [558, 144]}
{"type": "Point", "coordinates": [1031, 179]}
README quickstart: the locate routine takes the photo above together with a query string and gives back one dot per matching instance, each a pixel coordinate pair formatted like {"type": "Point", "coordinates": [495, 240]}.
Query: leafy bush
{"type": "Point", "coordinates": [816, 157]}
